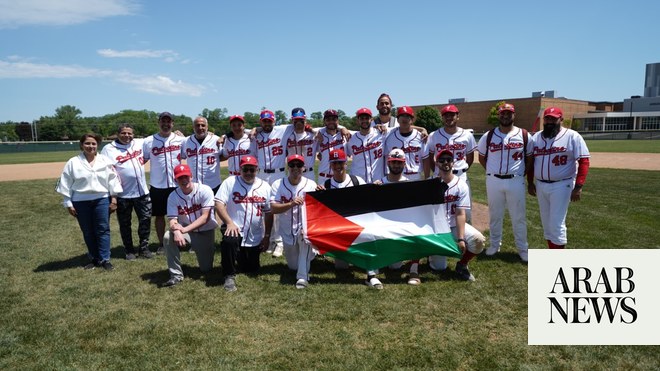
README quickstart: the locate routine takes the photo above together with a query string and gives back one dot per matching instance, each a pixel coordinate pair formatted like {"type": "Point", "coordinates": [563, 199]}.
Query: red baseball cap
{"type": "Point", "coordinates": [405, 110]}
{"type": "Point", "coordinates": [237, 117]}
{"type": "Point", "coordinates": [396, 155]}
{"type": "Point", "coordinates": [449, 108]}
{"type": "Point", "coordinates": [506, 107]}
{"type": "Point", "coordinates": [553, 112]}
{"type": "Point", "coordinates": [444, 152]}
{"type": "Point", "coordinates": [330, 113]}
{"type": "Point", "coordinates": [267, 115]}
{"type": "Point", "coordinates": [363, 111]}
{"type": "Point", "coordinates": [182, 170]}
{"type": "Point", "coordinates": [295, 157]}
{"type": "Point", "coordinates": [248, 161]}
{"type": "Point", "coordinates": [337, 155]}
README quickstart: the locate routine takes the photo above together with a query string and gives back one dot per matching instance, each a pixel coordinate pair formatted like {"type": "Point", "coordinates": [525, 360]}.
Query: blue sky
{"type": "Point", "coordinates": [103, 56]}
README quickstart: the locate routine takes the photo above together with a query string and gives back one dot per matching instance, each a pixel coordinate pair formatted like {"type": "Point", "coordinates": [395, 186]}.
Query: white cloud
{"type": "Point", "coordinates": [148, 53]}
{"type": "Point", "coordinates": [160, 85]}
{"type": "Point", "coordinates": [22, 70]}
{"type": "Point", "coordinates": [15, 13]}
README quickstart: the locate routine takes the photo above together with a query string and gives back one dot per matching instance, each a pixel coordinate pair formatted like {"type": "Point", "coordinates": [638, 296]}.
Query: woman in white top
{"type": "Point", "coordinates": [89, 185]}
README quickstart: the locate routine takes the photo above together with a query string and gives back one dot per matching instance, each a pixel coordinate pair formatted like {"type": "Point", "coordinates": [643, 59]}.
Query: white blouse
{"type": "Point", "coordinates": [81, 181]}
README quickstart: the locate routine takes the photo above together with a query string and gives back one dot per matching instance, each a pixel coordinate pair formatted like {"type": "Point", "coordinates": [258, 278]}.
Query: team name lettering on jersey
{"type": "Point", "coordinates": [303, 142]}
{"type": "Point", "coordinates": [451, 198]}
{"type": "Point", "coordinates": [185, 210]}
{"type": "Point", "coordinates": [539, 151]}
{"type": "Point", "coordinates": [411, 149]}
{"type": "Point", "coordinates": [357, 150]}
{"type": "Point", "coordinates": [268, 143]}
{"type": "Point", "coordinates": [162, 150]}
{"type": "Point", "coordinates": [498, 147]}
{"type": "Point", "coordinates": [334, 143]}
{"type": "Point", "coordinates": [121, 159]}
{"type": "Point", "coordinates": [452, 147]}
{"type": "Point", "coordinates": [240, 199]}
{"type": "Point", "coordinates": [238, 152]}
{"type": "Point", "coordinates": [283, 199]}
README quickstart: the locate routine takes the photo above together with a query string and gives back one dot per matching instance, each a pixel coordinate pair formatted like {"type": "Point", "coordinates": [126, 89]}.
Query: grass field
{"type": "Point", "coordinates": [36, 157]}
{"type": "Point", "coordinates": [58, 316]}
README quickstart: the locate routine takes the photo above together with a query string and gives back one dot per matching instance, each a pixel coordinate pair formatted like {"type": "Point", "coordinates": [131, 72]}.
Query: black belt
{"type": "Point", "coordinates": [552, 181]}
{"type": "Point", "coordinates": [271, 171]}
{"type": "Point", "coordinates": [461, 171]}
{"type": "Point", "coordinates": [507, 176]}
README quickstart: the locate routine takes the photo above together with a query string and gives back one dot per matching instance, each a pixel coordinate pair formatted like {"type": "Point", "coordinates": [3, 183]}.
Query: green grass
{"type": "Point", "coordinates": [36, 157]}
{"type": "Point", "coordinates": [57, 316]}
{"type": "Point", "coordinates": [630, 146]}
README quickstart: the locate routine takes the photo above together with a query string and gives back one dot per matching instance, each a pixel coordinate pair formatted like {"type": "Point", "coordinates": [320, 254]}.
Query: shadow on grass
{"type": "Point", "coordinates": [211, 278]}
{"type": "Point", "coordinates": [79, 261]}
{"type": "Point", "coordinates": [507, 257]}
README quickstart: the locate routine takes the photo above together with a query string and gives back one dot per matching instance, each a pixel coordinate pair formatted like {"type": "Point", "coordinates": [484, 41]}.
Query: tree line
{"type": "Point", "coordinates": [68, 123]}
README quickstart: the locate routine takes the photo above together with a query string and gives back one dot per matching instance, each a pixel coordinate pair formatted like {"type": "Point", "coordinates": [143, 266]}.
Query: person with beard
{"type": "Point", "coordinates": [503, 152]}
{"type": "Point", "coordinates": [560, 167]}
{"type": "Point", "coordinates": [366, 149]}
{"type": "Point", "coordinates": [202, 152]}
{"type": "Point", "coordinates": [409, 140]}
{"type": "Point", "coordinates": [384, 107]}
{"type": "Point", "coordinates": [302, 142]}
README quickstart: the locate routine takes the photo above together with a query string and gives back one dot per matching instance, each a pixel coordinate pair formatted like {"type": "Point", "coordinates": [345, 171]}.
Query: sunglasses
{"type": "Point", "coordinates": [296, 164]}
{"type": "Point", "coordinates": [445, 160]}
{"type": "Point", "coordinates": [249, 169]}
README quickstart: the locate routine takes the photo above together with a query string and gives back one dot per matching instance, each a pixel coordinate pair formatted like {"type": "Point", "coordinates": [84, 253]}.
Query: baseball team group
{"type": "Point", "coordinates": [259, 206]}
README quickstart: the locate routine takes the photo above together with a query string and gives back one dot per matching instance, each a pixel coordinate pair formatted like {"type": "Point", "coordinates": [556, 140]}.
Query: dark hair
{"type": "Point", "coordinates": [96, 137]}
{"type": "Point", "coordinates": [123, 126]}
{"type": "Point", "coordinates": [384, 95]}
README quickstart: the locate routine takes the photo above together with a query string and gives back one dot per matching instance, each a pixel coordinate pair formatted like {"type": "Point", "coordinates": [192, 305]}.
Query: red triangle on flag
{"type": "Point", "coordinates": [326, 229]}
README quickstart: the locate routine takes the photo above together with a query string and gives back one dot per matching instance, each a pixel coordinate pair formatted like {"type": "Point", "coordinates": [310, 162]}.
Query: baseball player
{"type": "Point", "coordinates": [236, 146]}
{"type": "Point", "coordinates": [331, 138]}
{"type": "Point", "coordinates": [301, 141]}
{"type": "Point", "coordinates": [202, 154]}
{"type": "Point", "coordinates": [337, 159]}
{"type": "Point", "coordinates": [164, 149]}
{"type": "Point", "coordinates": [269, 147]}
{"type": "Point", "coordinates": [561, 164]}
{"type": "Point", "coordinates": [408, 140]}
{"type": "Point", "coordinates": [192, 221]}
{"type": "Point", "coordinates": [366, 149]}
{"type": "Point", "coordinates": [503, 152]}
{"type": "Point", "coordinates": [457, 200]}
{"type": "Point", "coordinates": [458, 140]}
{"type": "Point", "coordinates": [242, 202]}
{"type": "Point", "coordinates": [288, 199]}
{"type": "Point", "coordinates": [384, 107]}
{"type": "Point", "coordinates": [126, 155]}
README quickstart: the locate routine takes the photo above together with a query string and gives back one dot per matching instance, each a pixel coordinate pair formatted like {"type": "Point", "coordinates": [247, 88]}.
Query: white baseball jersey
{"type": "Point", "coordinates": [269, 149]}
{"type": "Point", "coordinates": [367, 153]}
{"type": "Point", "coordinates": [460, 144]}
{"type": "Point", "coordinates": [186, 208]}
{"type": "Point", "coordinates": [348, 182]}
{"type": "Point", "coordinates": [165, 155]}
{"type": "Point", "coordinates": [386, 181]}
{"type": "Point", "coordinates": [506, 155]}
{"type": "Point", "coordinates": [203, 159]}
{"type": "Point", "coordinates": [329, 143]}
{"type": "Point", "coordinates": [81, 181]}
{"type": "Point", "coordinates": [556, 158]}
{"type": "Point", "coordinates": [290, 222]}
{"type": "Point", "coordinates": [457, 196]}
{"type": "Point", "coordinates": [234, 149]}
{"type": "Point", "coordinates": [412, 145]}
{"type": "Point", "coordinates": [128, 161]}
{"type": "Point", "coordinates": [247, 205]}
{"type": "Point", "coordinates": [393, 123]}
{"type": "Point", "coordinates": [303, 144]}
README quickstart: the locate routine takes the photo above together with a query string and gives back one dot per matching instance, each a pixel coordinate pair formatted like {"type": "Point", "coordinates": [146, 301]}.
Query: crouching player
{"type": "Point", "coordinates": [457, 201]}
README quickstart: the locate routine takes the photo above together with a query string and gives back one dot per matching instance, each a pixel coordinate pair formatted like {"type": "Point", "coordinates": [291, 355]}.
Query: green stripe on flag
{"type": "Point", "coordinates": [381, 253]}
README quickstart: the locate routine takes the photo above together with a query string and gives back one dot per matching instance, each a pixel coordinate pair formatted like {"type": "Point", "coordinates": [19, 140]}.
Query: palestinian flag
{"type": "Point", "coordinates": [372, 226]}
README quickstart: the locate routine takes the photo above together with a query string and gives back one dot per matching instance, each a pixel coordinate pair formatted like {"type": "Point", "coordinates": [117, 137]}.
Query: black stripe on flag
{"type": "Point", "coordinates": [373, 198]}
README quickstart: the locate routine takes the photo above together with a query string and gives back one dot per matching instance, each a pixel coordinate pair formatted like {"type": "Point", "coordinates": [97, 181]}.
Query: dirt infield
{"type": "Point", "coordinates": [634, 161]}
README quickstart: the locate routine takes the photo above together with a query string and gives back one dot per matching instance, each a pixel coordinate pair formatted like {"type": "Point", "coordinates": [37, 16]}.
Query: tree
{"type": "Point", "coordinates": [24, 131]}
{"type": "Point", "coordinates": [251, 119]}
{"type": "Point", "coordinates": [428, 118]}
{"type": "Point", "coordinates": [280, 117]}
{"type": "Point", "coordinates": [493, 115]}
{"type": "Point", "coordinates": [317, 115]}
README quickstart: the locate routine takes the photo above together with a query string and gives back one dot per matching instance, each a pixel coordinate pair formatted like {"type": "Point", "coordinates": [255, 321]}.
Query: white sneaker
{"type": "Point", "coordinates": [523, 255]}
{"type": "Point", "coordinates": [375, 283]}
{"type": "Point", "coordinates": [301, 284]}
{"type": "Point", "coordinates": [271, 247]}
{"type": "Point", "coordinates": [277, 252]}
{"type": "Point", "coordinates": [492, 250]}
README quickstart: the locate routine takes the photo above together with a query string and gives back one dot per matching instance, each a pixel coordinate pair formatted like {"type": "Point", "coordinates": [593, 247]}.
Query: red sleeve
{"type": "Point", "coordinates": [583, 169]}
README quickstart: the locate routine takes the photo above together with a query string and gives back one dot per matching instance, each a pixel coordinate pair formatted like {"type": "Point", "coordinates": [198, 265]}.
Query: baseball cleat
{"type": "Point", "coordinates": [463, 272]}
{"type": "Point", "coordinates": [301, 284]}
{"type": "Point", "coordinates": [492, 250]}
{"type": "Point", "coordinates": [413, 279]}
{"type": "Point", "coordinates": [173, 282]}
{"type": "Point", "coordinates": [374, 283]}
{"type": "Point", "coordinates": [277, 252]}
{"type": "Point", "coordinates": [230, 284]}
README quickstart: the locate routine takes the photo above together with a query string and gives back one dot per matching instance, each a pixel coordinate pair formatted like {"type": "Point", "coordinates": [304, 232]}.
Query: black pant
{"type": "Point", "coordinates": [237, 258]}
{"type": "Point", "coordinates": [142, 206]}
